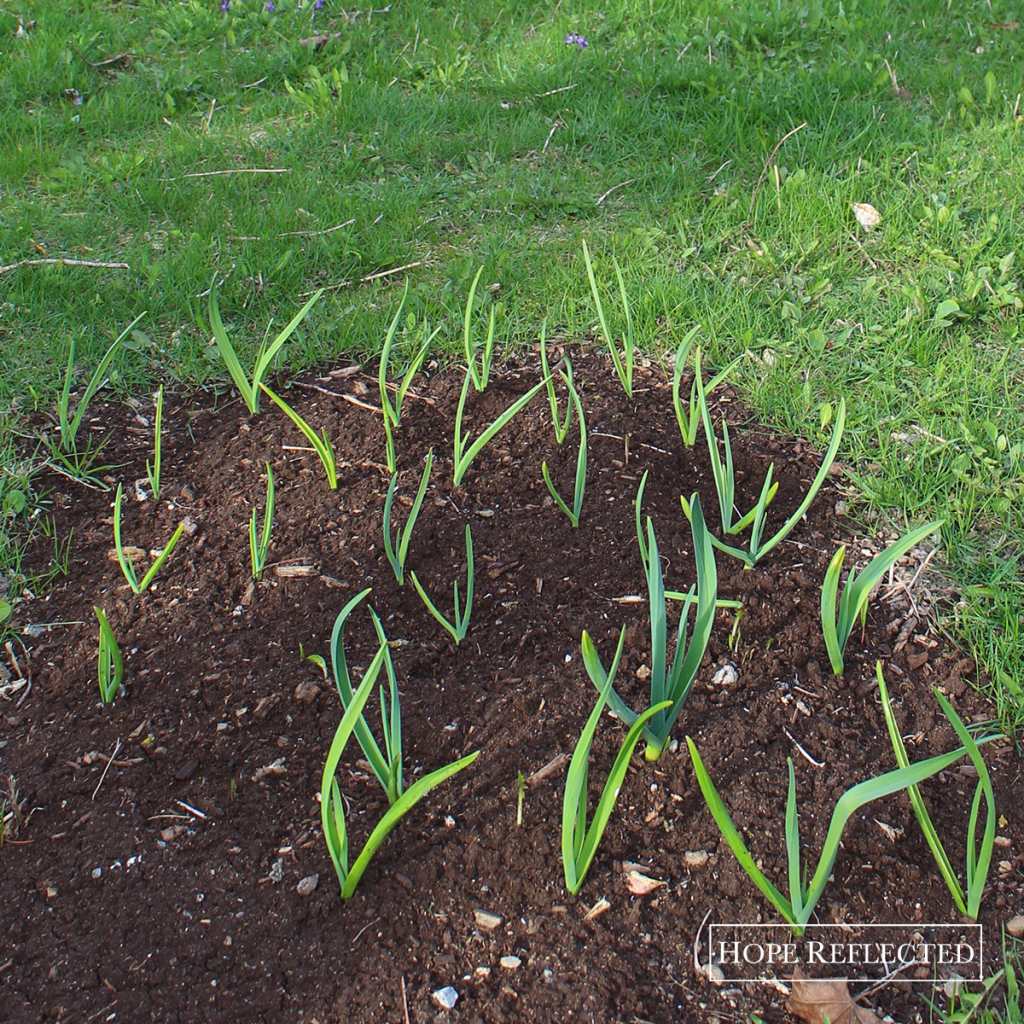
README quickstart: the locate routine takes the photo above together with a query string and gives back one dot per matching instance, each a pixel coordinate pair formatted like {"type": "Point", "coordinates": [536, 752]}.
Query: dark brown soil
{"type": "Point", "coordinates": [163, 887]}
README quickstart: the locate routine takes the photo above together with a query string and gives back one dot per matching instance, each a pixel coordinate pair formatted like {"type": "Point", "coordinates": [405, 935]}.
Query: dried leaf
{"type": "Point", "coordinates": [640, 884]}
{"type": "Point", "coordinates": [814, 1002]}
{"type": "Point", "coordinates": [867, 216]}
{"type": "Point", "coordinates": [597, 909]}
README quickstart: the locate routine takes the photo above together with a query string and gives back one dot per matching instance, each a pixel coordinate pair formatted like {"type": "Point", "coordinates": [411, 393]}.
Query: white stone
{"type": "Point", "coordinates": [446, 997]}
{"type": "Point", "coordinates": [726, 676]}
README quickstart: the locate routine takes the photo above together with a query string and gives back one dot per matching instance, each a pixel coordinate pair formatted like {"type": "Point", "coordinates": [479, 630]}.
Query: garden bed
{"type": "Point", "coordinates": [164, 885]}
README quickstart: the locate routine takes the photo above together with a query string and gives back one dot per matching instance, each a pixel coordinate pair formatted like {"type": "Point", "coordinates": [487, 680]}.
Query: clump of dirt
{"type": "Point", "coordinates": [169, 864]}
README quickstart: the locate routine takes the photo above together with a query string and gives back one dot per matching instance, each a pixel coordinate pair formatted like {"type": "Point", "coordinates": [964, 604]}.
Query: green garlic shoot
{"type": "Point", "coordinates": [250, 390]}
{"type": "Point", "coordinates": [126, 563]}
{"type": "Point", "coordinates": [458, 630]}
{"type": "Point", "coordinates": [332, 806]}
{"type": "Point", "coordinates": [756, 517]}
{"type": "Point", "coordinates": [69, 427]}
{"type": "Point", "coordinates": [110, 668]}
{"type": "Point", "coordinates": [561, 429]}
{"type": "Point", "coordinates": [392, 411]}
{"type": "Point", "coordinates": [258, 548]}
{"type": "Point", "coordinates": [579, 844]}
{"type": "Point", "coordinates": [321, 445]}
{"type": "Point", "coordinates": [668, 683]}
{"type": "Point", "coordinates": [804, 896]}
{"type": "Point", "coordinates": [624, 362]}
{"type": "Point", "coordinates": [581, 463]}
{"type": "Point", "coordinates": [396, 549]}
{"type": "Point", "coordinates": [153, 472]}
{"type": "Point", "coordinates": [479, 375]}
{"type": "Point", "coordinates": [853, 604]}
{"type": "Point", "coordinates": [690, 422]}
{"type": "Point", "coordinates": [464, 456]}
{"type": "Point", "coordinates": [978, 863]}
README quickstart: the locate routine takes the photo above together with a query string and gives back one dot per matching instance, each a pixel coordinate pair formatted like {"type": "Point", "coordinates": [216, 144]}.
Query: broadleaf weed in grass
{"type": "Point", "coordinates": [258, 548]}
{"type": "Point", "coordinates": [581, 463]}
{"type": "Point", "coordinates": [321, 445]}
{"type": "Point", "coordinates": [804, 895]}
{"type": "Point", "coordinates": [126, 563]}
{"type": "Point", "coordinates": [332, 808]}
{"type": "Point", "coordinates": [579, 843]}
{"type": "Point", "coordinates": [464, 455]}
{"type": "Point", "coordinates": [109, 668]}
{"type": "Point", "coordinates": [978, 862]}
{"type": "Point", "coordinates": [481, 374]}
{"type": "Point", "coordinates": [153, 472]}
{"type": "Point", "coordinates": [624, 362]}
{"type": "Point", "coordinates": [458, 630]}
{"type": "Point", "coordinates": [756, 518]}
{"type": "Point", "coordinates": [250, 390]}
{"type": "Point", "coordinates": [397, 549]}
{"type": "Point", "coordinates": [853, 603]}
{"type": "Point", "coordinates": [668, 683]}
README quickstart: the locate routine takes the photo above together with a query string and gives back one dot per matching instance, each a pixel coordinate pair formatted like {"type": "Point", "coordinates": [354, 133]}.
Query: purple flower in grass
{"type": "Point", "coordinates": [574, 39]}
{"type": "Point", "coordinates": [225, 5]}
{"type": "Point", "coordinates": [318, 5]}
{"type": "Point", "coordinates": [269, 6]}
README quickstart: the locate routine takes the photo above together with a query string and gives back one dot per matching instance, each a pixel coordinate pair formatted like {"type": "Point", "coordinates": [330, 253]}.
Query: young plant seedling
{"type": "Point", "coordinates": [69, 427]}
{"type": "Point", "coordinates": [561, 429]}
{"type": "Point", "coordinates": [978, 863]}
{"type": "Point", "coordinates": [581, 463]}
{"type": "Point", "coordinates": [397, 548]}
{"type": "Point", "coordinates": [250, 390]}
{"type": "Point", "coordinates": [458, 631]}
{"type": "Point", "coordinates": [126, 563]}
{"type": "Point", "coordinates": [332, 807]}
{"type": "Point", "coordinates": [321, 445]}
{"type": "Point", "coordinates": [258, 549]}
{"type": "Point", "coordinates": [110, 668]}
{"type": "Point", "coordinates": [671, 685]}
{"type": "Point", "coordinates": [690, 422]}
{"type": "Point", "coordinates": [755, 519]}
{"type": "Point", "coordinates": [624, 362]}
{"type": "Point", "coordinates": [481, 374]}
{"type": "Point", "coordinates": [579, 844]}
{"type": "Point", "coordinates": [724, 474]}
{"type": "Point", "coordinates": [521, 794]}
{"type": "Point", "coordinates": [853, 603]}
{"type": "Point", "coordinates": [153, 472]}
{"type": "Point", "coordinates": [464, 456]}
{"type": "Point", "coordinates": [803, 897]}
{"type": "Point", "coordinates": [393, 410]}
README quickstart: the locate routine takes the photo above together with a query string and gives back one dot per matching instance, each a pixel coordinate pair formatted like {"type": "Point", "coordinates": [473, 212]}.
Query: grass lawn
{"type": "Point", "coordinates": [192, 144]}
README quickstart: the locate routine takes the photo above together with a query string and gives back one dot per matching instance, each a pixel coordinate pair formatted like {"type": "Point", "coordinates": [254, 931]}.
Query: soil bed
{"type": "Point", "coordinates": [164, 886]}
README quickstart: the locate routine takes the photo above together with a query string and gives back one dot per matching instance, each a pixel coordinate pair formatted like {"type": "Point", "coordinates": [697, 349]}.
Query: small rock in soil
{"type": "Point", "coordinates": [308, 884]}
{"type": "Point", "coordinates": [695, 859]}
{"type": "Point", "coordinates": [1015, 926]}
{"type": "Point", "coordinates": [510, 963]}
{"type": "Point", "coordinates": [446, 997]}
{"type": "Point", "coordinates": [726, 676]}
{"type": "Point", "coordinates": [306, 692]}
{"type": "Point", "coordinates": [187, 770]}
{"type": "Point", "coordinates": [485, 919]}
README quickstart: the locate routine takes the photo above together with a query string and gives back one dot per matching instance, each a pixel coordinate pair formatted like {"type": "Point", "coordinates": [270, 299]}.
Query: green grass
{"type": "Point", "coordinates": [470, 134]}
